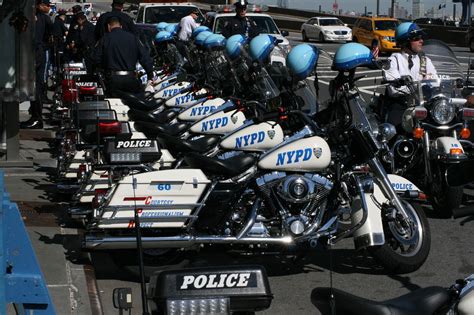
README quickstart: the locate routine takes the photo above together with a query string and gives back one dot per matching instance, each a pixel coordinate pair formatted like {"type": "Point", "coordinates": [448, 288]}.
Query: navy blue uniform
{"type": "Point", "coordinates": [120, 50]}
{"type": "Point", "coordinates": [125, 20]}
{"type": "Point", "coordinates": [238, 25]}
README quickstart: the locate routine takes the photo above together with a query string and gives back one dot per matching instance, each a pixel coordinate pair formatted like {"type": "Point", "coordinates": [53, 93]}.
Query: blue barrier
{"type": "Point", "coordinates": [21, 281]}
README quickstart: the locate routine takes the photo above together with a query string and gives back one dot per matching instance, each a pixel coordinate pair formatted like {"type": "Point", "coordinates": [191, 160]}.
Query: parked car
{"type": "Point", "coordinates": [429, 21]}
{"type": "Point", "coordinates": [153, 13]}
{"type": "Point", "coordinates": [325, 29]}
{"type": "Point", "coordinates": [371, 30]}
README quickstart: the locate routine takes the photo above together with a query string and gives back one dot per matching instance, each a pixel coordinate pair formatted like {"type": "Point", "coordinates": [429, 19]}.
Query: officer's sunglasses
{"type": "Point", "coordinates": [416, 38]}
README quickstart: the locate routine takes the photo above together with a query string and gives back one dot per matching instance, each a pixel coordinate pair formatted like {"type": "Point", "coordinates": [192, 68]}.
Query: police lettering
{"type": "Point", "coordinates": [402, 186]}
{"type": "Point", "coordinates": [294, 156]}
{"type": "Point", "coordinates": [249, 139]}
{"type": "Point", "coordinates": [184, 99]}
{"type": "Point", "coordinates": [237, 280]}
{"type": "Point", "coordinates": [133, 144]}
{"type": "Point", "coordinates": [214, 123]}
{"type": "Point", "coordinates": [202, 110]}
{"type": "Point", "coordinates": [86, 84]}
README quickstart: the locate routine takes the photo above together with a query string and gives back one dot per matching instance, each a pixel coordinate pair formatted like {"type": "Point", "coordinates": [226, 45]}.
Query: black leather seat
{"type": "Point", "coordinates": [160, 118]}
{"type": "Point", "coordinates": [213, 166]}
{"type": "Point", "coordinates": [178, 145]}
{"type": "Point", "coordinates": [420, 302]}
{"type": "Point", "coordinates": [133, 101]}
{"type": "Point", "coordinates": [152, 130]}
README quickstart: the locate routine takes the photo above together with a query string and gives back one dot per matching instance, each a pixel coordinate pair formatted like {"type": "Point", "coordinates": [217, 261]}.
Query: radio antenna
{"type": "Point", "coordinates": [138, 235]}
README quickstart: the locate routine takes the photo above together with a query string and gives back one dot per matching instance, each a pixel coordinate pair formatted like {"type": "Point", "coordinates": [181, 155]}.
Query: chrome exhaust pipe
{"type": "Point", "coordinates": [92, 242]}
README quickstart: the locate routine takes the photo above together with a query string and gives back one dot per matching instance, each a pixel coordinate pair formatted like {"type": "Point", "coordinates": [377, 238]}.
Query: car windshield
{"type": "Point", "coordinates": [330, 22]}
{"type": "Point", "coordinates": [264, 23]}
{"type": "Point", "coordinates": [385, 25]}
{"type": "Point", "coordinates": [168, 14]}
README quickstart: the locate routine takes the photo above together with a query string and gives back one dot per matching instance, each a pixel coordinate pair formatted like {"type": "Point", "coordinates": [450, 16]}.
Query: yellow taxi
{"type": "Point", "coordinates": [368, 30]}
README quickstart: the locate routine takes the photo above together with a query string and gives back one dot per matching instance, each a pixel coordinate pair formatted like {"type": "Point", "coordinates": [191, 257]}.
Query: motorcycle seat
{"type": "Point", "coordinates": [228, 168]}
{"type": "Point", "coordinates": [423, 301]}
{"type": "Point", "coordinates": [133, 101]}
{"type": "Point", "coordinates": [178, 145]}
{"type": "Point", "coordinates": [160, 118]}
{"type": "Point", "coordinates": [152, 130]}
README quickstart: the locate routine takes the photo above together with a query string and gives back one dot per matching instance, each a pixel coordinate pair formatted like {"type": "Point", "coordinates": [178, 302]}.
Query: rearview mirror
{"type": "Point", "coordinates": [285, 33]}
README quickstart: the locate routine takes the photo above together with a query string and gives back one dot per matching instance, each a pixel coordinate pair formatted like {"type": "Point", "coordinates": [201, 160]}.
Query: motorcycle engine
{"type": "Point", "coordinates": [298, 198]}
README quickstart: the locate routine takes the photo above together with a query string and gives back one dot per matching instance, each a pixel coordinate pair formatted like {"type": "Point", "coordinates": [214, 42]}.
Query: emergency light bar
{"type": "Point", "coordinates": [254, 8]}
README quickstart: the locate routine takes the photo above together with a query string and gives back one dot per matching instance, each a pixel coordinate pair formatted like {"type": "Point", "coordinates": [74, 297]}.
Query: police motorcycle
{"type": "Point", "coordinates": [458, 299]}
{"type": "Point", "coordinates": [292, 195]}
{"type": "Point", "coordinates": [400, 235]}
{"type": "Point", "coordinates": [432, 149]}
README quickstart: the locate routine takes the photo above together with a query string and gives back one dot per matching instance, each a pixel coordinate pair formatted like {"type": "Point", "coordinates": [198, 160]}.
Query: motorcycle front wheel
{"type": "Point", "coordinates": [406, 246]}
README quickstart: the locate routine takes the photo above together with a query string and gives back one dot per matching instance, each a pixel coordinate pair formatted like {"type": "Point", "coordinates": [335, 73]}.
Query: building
{"type": "Point", "coordinates": [418, 9]}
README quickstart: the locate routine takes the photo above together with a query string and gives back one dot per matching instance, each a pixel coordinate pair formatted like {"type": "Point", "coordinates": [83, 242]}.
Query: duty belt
{"type": "Point", "coordinates": [122, 72]}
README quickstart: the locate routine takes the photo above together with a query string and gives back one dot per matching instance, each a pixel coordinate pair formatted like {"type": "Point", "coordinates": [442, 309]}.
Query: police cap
{"type": "Point", "coordinates": [47, 2]}
{"type": "Point", "coordinates": [76, 9]}
{"type": "Point", "coordinates": [118, 1]}
{"type": "Point", "coordinates": [241, 4]}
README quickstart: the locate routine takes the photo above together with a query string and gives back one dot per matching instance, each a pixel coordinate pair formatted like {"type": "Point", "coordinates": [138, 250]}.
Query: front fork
{"type": "Point", "coordinates": [386, 186]}
{"type": "Point", "coordinates": [426, 158]}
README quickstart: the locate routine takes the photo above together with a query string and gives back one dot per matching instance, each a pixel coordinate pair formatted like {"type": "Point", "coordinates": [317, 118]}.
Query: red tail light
{"type": "Point", "coordinates": [99, 195]}
{"type": "Point", "coordinates": [81, 171]}
{"type": "Point", "coordinates": [108, 129]}
{"type": "Point", "coordinates": [88, 90]}
{"type": "Point", "coordinates": [69, 90]}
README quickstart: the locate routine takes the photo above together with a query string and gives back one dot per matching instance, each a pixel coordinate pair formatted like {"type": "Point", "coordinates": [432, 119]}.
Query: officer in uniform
{"type": "Point", "coordinates": [43, 27]}
{"type": "Point", "coordinates": [85, 39]}
{"type": "Point", "coordinates": [125, 20]}
{"type": "Point", "coordinates": [409, 62]}
{"type": "Point", "coordinates": [240, 23]}
{"type": "Point", "coordinates": [73, 32]}
{"type": "Point", "coordinates": [118, 53]}
{"type": "Point", "coordinates": [59, 34]}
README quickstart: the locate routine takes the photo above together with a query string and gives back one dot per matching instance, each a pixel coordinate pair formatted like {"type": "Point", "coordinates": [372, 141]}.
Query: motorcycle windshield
{"type": "Point", "coordinates": [266, 87]}
{"type": "Point", "coordinates": [444, 60]}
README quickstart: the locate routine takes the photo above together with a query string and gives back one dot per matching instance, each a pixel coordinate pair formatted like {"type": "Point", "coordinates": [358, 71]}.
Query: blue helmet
{"type": "Point", "coordinates": [214, 41]}
{"type": "Point", "coordinates": [301, 60]}
{"type": "Point", "coordinates": [172, 28]}
{"type": "Point", "coordinates": [351, 55]}
{"type": "Point", "coordinates": [202, 37]}
{"type": "Point", "coordinates": [161, 26]}
{"type": "Point", "coordinates": [261, 46]}
{"type": "Point", "coordinates": [407, 31]}
{"type": "Point", "coordinates": [234, 45]}
{"type": "Point", "coordinates": [163, 36]}
{"type": "Point", "coordinates": [200, 29]}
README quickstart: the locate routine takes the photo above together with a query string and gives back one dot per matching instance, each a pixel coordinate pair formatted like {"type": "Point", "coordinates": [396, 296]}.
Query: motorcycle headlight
{"type": "Point", "coordinates": [442, 112]}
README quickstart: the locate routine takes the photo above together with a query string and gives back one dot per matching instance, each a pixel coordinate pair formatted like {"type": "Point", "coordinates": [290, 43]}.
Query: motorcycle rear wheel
{"type": "Point", "coordinates": [405, 249]}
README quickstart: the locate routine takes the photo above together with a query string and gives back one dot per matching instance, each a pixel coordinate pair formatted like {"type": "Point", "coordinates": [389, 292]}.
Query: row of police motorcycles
{"type": "Point", "coordinates": [230, 151]}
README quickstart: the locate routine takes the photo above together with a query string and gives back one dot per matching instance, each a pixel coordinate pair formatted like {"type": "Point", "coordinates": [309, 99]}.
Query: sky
{"type": "Point", "coordinates": [358, 5]}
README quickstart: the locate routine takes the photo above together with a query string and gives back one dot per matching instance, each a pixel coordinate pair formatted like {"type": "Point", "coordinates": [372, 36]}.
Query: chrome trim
{"type": "Point", "coordinates": [443, 128]}
{"type": "Point", "coordinates": [251, 221]}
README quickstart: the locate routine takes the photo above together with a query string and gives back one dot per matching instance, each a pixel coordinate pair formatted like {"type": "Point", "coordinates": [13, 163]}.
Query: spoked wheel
{"type": "Point", "coordinates": [444, 198]}
{"type": "Point", "coordinates": [407, 244]}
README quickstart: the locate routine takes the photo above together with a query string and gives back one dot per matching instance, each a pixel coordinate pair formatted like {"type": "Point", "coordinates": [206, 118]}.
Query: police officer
{"type": "Point", "coordinates": [125, 20]}
{"type": "Point", "coordinates": [85, 39]}
{"type": "Point", "coordinates": [240, 23]}
{"type": "Point", "coordinates": [43, 27]}
{"type": "Point", "coordinates": [411, 62]}
{"type": "Point", "coordinates": [59, 33]}
{"type": "Point", "coordinates": [118, 53]}
{"type": "Point", "coordinates": [73, 33]}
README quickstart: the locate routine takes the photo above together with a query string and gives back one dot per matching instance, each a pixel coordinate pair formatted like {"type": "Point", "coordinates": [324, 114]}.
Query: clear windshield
{"type": "Point", "coordinates": [267, 88]}
{"type": "Point", "coordinates": [265, 24]}
{"type": "Point", "coordinates": [444, 60]}
{"type": "Point", "coordinates": [330, 22]}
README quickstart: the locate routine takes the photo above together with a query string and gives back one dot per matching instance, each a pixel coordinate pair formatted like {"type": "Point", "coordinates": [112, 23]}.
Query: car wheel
{"type": "Point", "coordinates": [321, 37]}
{"type": "Point", "coordinates": [471, 45]}
{"type": "Point", "coordinates": [305, 38]}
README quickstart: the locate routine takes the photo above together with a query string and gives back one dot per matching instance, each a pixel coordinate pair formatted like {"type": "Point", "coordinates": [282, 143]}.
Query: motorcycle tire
{"type": "Point", "coordinates": [391, 256]}
{"type": "Point", "coordinates": [445, 201]}
{"type": "Point", "coordinates": [127, 260]}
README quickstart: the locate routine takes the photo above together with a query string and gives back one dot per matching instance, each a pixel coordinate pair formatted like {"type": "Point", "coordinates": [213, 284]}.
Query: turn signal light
{"type": "Point", "coordinates": [420, 113]}
{"type": "Point", "coordinates": [465, 133]}
{"type": "Point", "coordinates": [456, 151]}
{"type": "Point", "coordinates": [110, 128]}
{"type": "Point", "coordinates": [418, 133]}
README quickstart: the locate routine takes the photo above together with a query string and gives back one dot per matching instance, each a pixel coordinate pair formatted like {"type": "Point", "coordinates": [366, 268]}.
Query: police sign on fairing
{"type": "Point", "coordinates": [133, 144]}
{"type": "Point", "coordinates": [217, 281]}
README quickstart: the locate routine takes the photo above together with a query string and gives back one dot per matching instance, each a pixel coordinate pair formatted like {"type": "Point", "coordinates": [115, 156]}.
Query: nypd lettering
{"type": "Point", "coordinates": [214, 123]}
{"type": "Point", "coordinates": [170, 92]}
{"type": "Point", "coordinates": [250, 139]}
{"type": "Point", "coordinates": [294, 156]}
{"type": "Point", "coordinates": [184, 99]}
{"type": "Point", "coordinates": [202, 110]}
{"type": "Point", "coordinates": [133, 144]}
{"type": "Point", "coordinates": [217, 281]}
